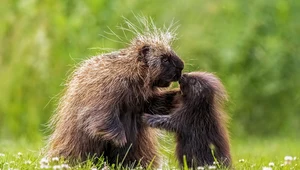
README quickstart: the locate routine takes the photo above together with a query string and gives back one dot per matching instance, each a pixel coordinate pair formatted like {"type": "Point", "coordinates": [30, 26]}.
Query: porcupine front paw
{"type": "Point", "coordinates": [117, 137]}
{"type": "Point", "coordinates": [120, 139]}
{"type": "Point", "coordinates": [149, 119]}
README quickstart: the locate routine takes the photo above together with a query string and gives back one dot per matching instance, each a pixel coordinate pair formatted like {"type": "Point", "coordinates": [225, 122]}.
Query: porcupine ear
{"type": "Point", "coordinates": [144, 51]}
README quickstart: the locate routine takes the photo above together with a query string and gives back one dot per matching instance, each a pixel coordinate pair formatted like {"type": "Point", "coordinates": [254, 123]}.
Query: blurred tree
{"type": "Point", "coordinates": [253, 46]}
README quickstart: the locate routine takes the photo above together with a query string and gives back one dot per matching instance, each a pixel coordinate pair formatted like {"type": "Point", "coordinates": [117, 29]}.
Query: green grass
{"type": "Point", "coordinates": [252, 153]}
{"type": "Point", "coordinates": [258, 153]}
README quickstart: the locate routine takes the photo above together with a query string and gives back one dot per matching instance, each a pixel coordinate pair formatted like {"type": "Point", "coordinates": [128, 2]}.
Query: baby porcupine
{"type": "Point", "coordinates": [100, 111]}
{"type": "Point", "coordinates": [199, 121]}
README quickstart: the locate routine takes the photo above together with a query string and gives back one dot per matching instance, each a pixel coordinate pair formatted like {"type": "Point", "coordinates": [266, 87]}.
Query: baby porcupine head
{"type": "Point", "coordinates": [202, 87]}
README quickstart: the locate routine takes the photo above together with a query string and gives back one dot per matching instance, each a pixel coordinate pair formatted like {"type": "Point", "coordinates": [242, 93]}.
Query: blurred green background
{"type": "Point", "coordinates": [253, 46]}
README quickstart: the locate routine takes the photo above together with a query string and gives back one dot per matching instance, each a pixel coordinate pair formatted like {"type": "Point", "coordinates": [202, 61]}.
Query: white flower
{"type": "Point", "coordinates": [27, 162]}
{"type": "Point", "coordinates": [271, 164]}
{"type": "Point", "coordinates": [43, 166]}
{"type": "Point", "coordinates": [288, 158]}
{"type": "Point", "coordinates": [2, 154]}
{"type": "Point", "coordinates": [65, 166]}
{"type": "Point", "coordinates": [105, 167]}
{"type": "Point", "coordinates": [242, 160]}
{"type": "Point", "coordinates": [212, 167]}
{"type": "Point", "coordinates": [56, 167]}
{"type": "Point", "coordinates": [200, 168]}
{"type": "Point", "coordinates": [20, 154]}
{"type": "Point", "coordinates": [93, 168]}
{"type": "Point", "coordinates": [55, 159]}
{"type": "Point", "coordinates": [44, 161]}
{"type": "Point", "coordinates": [267, 168]}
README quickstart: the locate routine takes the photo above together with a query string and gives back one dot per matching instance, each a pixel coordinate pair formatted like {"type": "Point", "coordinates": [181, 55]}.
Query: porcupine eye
{"type": "Point", "coordinates": [165, 59]}
{"type": "Point", "coordinates": [192, 81]}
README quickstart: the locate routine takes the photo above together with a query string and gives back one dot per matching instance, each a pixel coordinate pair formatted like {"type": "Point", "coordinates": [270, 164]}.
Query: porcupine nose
{"type": "Point", "coordinates": [179, 67]}
{"type": "Point", "coordinates": [178, 73]}
{"type": "Point", "coordinates": [182, 79]}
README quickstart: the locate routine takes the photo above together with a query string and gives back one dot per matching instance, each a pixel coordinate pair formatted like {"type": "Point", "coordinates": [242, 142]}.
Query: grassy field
{"type": "Point", "coordinates": [247, 154]}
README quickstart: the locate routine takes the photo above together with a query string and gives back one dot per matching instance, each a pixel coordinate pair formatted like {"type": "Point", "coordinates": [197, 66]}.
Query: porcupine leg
{"type": "Point", "coordinates": [160, 121]}
{"type": "Point", "coordinates": [106, 126]}
{"type": "Point", "coordinates": [163, 103]}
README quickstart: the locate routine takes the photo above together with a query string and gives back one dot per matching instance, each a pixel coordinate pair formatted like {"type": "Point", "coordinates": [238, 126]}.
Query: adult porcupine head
{"type": "Point", "coordinates": [100, 111]}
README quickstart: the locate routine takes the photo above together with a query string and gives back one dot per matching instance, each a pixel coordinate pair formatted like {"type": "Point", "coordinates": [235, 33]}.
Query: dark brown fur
{"type": "Point", "coordinates": [100, 111]}
{"type": "Point", "coordinates": [199, 122]}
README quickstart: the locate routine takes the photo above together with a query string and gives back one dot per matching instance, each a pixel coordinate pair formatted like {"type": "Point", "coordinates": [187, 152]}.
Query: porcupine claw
{"type": "Point", "coordinates": [120, 139]}
{"type": "Point", "coordinates": [147, 118]}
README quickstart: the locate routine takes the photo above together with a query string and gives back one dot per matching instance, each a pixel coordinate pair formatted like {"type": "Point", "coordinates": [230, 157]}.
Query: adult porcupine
{"type": "Point", "coordinates": [199, 121]}
{"type": "Point", "coordinates": [100, 111]}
